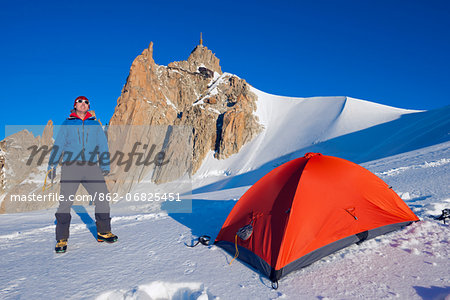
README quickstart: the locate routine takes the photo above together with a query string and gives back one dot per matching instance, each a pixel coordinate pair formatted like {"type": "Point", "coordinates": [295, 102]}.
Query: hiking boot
{"type": "Point", "coordinates": [107, 237]}
{"type": "Point", "coordinates": [61, 246]}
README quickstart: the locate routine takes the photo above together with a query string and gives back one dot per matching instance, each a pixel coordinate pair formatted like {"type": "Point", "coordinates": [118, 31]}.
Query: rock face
{"type": "Point", "coordinates": [22, 172]}
{"type": "Point", "coordinates": [205, 109]}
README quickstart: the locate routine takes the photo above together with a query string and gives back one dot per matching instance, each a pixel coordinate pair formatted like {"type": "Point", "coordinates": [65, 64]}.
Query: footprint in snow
{"type": "Point", "coordinates": [180, 238]}
{"type": "Point", "coordinates": [190, 267]}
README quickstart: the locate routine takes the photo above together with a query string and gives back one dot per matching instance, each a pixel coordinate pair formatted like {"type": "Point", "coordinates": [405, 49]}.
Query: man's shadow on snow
{"type": "Point", "coordinates": [206, 218]}
{"type": "Point", "coordinates": [433, 292]}
{"type": "Point", "coordinates": [81, 211]}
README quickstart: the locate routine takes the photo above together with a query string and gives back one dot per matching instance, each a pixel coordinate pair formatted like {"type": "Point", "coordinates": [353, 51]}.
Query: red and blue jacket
{"type": "Point", "coordinates": [80, 140]}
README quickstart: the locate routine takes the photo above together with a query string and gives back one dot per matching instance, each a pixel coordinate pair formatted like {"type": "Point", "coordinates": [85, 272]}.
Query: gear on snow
{"type": "Point", "coordinates": [61, 246]}
{"type": "Point", "coordinates": [107, 237]}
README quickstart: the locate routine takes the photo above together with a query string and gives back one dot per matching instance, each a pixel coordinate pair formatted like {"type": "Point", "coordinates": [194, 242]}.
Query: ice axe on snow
{"type": "Point", "coordinates": [445, 215]}
{"type": "Point", "coordinates": [204, 240]}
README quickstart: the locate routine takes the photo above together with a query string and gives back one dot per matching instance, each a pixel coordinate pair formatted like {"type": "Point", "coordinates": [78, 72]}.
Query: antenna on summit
{"type": "Point", "coordinates": [201, 40]}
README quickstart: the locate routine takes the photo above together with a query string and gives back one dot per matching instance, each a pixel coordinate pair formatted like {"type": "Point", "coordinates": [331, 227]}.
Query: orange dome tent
{"type": "Point", "coordinates": [309, 208]}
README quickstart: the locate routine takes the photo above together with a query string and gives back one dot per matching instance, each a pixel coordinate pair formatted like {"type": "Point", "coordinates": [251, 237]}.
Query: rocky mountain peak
{"type": "Point", "coordinates": [200, 58]}
{"type": "Point", "coordinates": [148, 53]}
{"type": "Point", "coordinates": [20, 171]}
{"type": "Point", "coordinates": [217, 107]}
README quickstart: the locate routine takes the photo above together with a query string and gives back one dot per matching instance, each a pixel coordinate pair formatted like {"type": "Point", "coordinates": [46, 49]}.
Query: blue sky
{"type": "Point", "coordinates": [389, 52]}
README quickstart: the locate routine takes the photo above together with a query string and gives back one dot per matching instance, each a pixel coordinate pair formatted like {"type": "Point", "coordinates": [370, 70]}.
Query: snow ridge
{"type": "Point", "coordinates": [399, 170]}
{"type": "Point", "coordinates": [293, 124]}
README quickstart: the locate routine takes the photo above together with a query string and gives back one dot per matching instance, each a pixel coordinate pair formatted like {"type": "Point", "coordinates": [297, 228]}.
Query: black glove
{"type": "Point", "coordinates": [52, 174]}
{"type": "Point", "coordinates": [105, 172]}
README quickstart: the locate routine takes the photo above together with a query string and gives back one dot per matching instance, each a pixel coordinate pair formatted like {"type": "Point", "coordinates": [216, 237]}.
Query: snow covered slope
{"type": "Point", "coordinates": [150, 260]}
{"type": "Point", "coordinates": [296, 123]}
{"type": "Point", "coordinates": [349, 128]}
{"type": "Point", "coordinates": [410, 150]}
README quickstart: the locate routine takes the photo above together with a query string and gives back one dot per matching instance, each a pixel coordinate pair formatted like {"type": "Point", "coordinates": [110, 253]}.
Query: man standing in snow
{"type": "Point", "coordinates": [85, 159]}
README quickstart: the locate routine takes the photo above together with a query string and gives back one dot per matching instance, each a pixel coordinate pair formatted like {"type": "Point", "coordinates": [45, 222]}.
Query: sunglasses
{"type": "Point", "coordinates": [81, 101]}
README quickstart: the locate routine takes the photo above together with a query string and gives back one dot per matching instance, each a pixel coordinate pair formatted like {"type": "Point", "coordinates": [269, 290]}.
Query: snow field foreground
{"type": "Point", "coordinates": [161, 290]}
{"type": "Point", "coordinates": [151, 261]}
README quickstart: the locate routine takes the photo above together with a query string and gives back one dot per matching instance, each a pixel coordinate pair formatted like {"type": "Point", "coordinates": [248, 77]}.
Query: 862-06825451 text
{"type": "Point", "coordinates": [110, 197]}
{"type": "Point", "coordinates": [153, 197]}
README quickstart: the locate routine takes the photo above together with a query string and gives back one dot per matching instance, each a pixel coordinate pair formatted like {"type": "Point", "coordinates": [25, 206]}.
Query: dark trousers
{"type": "Point", "coordinates": [91, 177]}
